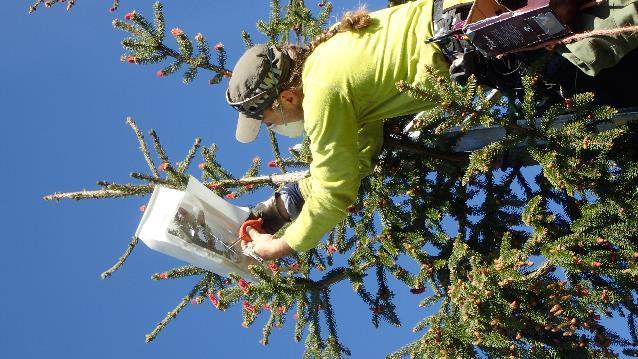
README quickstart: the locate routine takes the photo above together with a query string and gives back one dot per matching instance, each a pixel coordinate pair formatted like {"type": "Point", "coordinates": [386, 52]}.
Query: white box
{"type": "Point", "coordinates": [196, 226]}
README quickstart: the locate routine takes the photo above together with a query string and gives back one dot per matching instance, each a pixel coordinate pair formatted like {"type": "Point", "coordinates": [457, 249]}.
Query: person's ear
{"type": "Point", "coordinates": [290, 96]}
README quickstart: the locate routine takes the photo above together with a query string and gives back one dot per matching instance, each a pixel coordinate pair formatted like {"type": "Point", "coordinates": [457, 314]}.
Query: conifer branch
{"type": "Point", "coordinates": [197, 62]}
{"type": "Point", "coordinates": [143, 147]}
{"type": "Point", "coordinates": [35, 5]}
{"type": "Point", "coordinates": [421, 150]}
{"type": "Point", "coordinates": [153, 180]}
{"type": "Point", "coordinates": [270, 179]}
{"type": "Point", "coordinates": [212, 168]}
{"type": "Point", "coordinates": [158, 147]}
{"type": "Point", "coordinates": [133, 190]}
{"type": "Point", "coordinates": [275, 149]}
{"type": "Point", "coordinates": [248, 42]}
{"type": "Point", "coordinates": [122, 259]}
{"type": "Point", "coordinates": [189, 157]}
{"type": "Point", "coordinates": [173, 313]}
{"type": "Point", "coordinates": [173, 174]}
{"type": "Point", "coordinates": [147, 46]}
{"type": "Point", "coordinates": [50, 3]}
{"type": "Point", "coordinates": [420, 93]}
{"type": "Point", "coordinates": [267, 330]}
{"type": "Point", "coordinates": [180, 272]}
{"type": "Point", "coordinates": [542, 270]}
{"type": "Point", "coordinates": [335, 276]}
{"type": "Point", "coordinates": [140, 190]}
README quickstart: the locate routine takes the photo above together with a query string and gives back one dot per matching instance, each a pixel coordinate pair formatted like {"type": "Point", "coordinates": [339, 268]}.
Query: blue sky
{"type": "Point", "coordinates": [64, 100]}
{"type": "Point", "coordinates": [65, 97]}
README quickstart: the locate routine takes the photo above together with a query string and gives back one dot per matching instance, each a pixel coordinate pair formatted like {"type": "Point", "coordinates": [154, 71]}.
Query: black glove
{"type": "Point", "coordinates": [503, 74]}
{"type": "Point", "coordinates": [269, 211]}
{"type": "Point", "coordinates": [462, 67]}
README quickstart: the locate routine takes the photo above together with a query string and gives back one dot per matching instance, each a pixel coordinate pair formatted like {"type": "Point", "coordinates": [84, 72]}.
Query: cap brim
{"type": "Point", "coordinates": [247, 128]}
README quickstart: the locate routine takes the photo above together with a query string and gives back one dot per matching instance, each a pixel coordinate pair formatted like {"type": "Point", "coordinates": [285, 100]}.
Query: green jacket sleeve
{"type": "Point", "coordinates": [342, 154]}
{"type": "Point", "coordinates": [370, 142]}
{"type": "Point", "coordinates": [594, 54]}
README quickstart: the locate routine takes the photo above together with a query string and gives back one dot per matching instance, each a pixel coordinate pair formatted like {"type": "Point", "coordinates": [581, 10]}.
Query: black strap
{"type": "Point", "coordinates": [444, 22]}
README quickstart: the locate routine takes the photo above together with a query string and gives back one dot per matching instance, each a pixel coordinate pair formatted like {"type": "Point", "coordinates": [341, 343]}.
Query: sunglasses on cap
{"type": "Point", "coordinates": [251, 106]}
{"type": "Point", "coordinates": [255, 105]}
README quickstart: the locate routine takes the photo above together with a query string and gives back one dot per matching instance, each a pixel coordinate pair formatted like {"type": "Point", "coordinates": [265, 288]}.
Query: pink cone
{"type": "Point", "coordinates": [177, 32]}
{"type": "Point", "coordinates": [273, 267]}
{"type": "Point", "coordinates": [244, 285]}
{"type": "Point", "coordinates": [213, 300]}
{"type": "Point", "coordinates": [248, 307]}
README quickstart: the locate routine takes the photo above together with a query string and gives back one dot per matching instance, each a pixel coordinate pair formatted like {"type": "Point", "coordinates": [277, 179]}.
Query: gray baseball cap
{"type": "Point", "coordinates": [254, 86]}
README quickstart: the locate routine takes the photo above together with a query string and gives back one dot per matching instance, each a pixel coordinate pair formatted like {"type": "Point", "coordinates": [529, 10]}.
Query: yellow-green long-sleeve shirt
{"type": "Point", "coordinates": [349, 89]}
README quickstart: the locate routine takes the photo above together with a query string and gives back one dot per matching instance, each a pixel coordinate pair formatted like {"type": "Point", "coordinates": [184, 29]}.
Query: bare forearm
{"type": "Point", "coordinates": [267, 246]}
{"type": "Point", "coordinates": [277, 248]}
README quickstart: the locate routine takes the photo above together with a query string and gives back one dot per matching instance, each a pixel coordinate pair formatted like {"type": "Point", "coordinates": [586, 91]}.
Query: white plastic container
{"type": "Point", "coordinates": [196, 226]}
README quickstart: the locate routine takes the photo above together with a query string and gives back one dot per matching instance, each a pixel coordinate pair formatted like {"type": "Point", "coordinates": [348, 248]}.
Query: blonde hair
{"type": "Point", "coordinates": [351, 21]}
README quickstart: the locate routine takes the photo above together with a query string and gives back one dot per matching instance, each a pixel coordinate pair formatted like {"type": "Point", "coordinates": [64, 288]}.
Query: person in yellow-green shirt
{"type": "Point", "coordinates": [338, 90]}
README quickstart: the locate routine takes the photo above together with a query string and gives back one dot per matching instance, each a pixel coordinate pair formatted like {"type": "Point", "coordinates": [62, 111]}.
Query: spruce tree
{"type": "Point", "coordinates": [545, 237]}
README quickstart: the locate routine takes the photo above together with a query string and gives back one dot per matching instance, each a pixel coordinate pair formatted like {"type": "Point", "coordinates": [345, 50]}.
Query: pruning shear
{"type": "Point", "coordinates": [244, 236]}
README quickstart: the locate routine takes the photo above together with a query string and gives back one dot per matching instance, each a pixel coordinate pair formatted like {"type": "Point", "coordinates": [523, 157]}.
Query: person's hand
{"type": "Point", "coordinates": [266, 245]}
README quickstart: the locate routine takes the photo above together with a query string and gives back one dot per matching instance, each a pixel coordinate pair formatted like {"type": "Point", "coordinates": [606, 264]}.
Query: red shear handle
{"type": "Point", "coordinates": [255, 224]}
